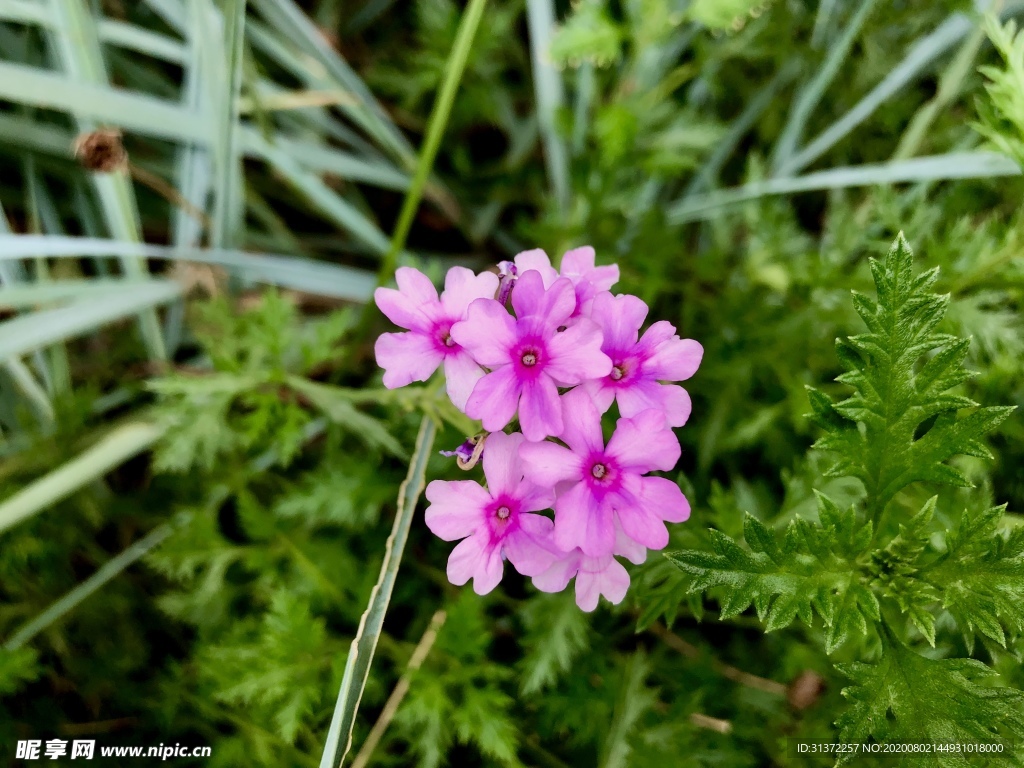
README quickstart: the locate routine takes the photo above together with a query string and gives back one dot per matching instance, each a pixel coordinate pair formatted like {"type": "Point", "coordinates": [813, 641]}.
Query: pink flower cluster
{"type": "Point", "coordinates": [550, 368]}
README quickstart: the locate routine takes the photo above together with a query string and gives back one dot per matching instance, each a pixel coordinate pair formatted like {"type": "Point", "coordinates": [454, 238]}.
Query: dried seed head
{"type": "Point", "coordinates": [805, 689]}
{"type": "Point", "coordinates": [101, 151]}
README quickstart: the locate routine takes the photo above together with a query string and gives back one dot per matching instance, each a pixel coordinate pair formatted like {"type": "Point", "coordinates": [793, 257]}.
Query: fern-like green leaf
{"type": "Point", "coordinates": [910, 424]}
{"type": "Point", "coordinates": [906, 697]}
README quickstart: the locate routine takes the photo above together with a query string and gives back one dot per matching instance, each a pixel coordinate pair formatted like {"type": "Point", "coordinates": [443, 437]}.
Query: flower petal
{"type": "Point", "coordinates": [466, 558]}
{"type": "Point", "coordinates": [674, 360]}
{"type": "Point", "coordinates": [642, 444]}
{"type": "Point", "coordinates": [494, 399]}
{"type": "Point", "coordinates": [575, 354]}
{"type": "Point", "coordinates": [488, 332]}
{"type": "Point", "coordinates": [414, 305]}
{"type": "Point", "coordinates": [406, 357]}
{"type": "Point", "coordinates": [536, 260]}
{"type": "Point", "coordinates": [547, 463]}
{"type": "Point", "coordinates": [502, 466]}
{"type": "Point", "coordinates": [539, 309]}
{"type": "Point", "coordinates": [457, 508]}
{"type": "Point", "coordinates": [529, 547]}
{"type": "Point", "coordinates": [461, 373]}
{"type": "Point", "coordinates": [462, 286]}
{"type": "Point", "coordinates": [557, 576]}
{"type": "Point", "coordinates": [664, 498]}
{"type": "Point", "coordinates": [625, 546]}
{"type": "Point", "coordinates": [600, 576]}
{"type": "Point", "coordinates": [620, 318]}
{"type": "Point", "coordinates": [489, 572]}
{"type": "Point", "coordinates": [582, 423]}
{"type": "Point", "coordinates": [540, 412]}
{"type": "Point", "coordinates": [581, 521]}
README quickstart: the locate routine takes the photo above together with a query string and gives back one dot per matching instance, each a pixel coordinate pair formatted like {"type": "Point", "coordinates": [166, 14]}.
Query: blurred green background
{"type": "Point", "coordinates": [191, 520]}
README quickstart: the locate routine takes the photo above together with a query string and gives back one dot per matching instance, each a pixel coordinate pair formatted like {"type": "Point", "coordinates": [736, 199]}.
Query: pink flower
{"type": "Point", "coordinates": [493, 523]}
{"type": "Point", "coordinates": [639, 364]}
{"type": "Point", "coordinates": [588, 280]}
{"type": "Point", "coordinates": [414, 356]}
{"type": "Point", "coordinates": [599, 484]}
{"type": "Point", "coordinates": [578, 266]}
{"type": "Point", "coordinates": [595, 576]}
{"type": "Point", "coordinates": [528, 355]}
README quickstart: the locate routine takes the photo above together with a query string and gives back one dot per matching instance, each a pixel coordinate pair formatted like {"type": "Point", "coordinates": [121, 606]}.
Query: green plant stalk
{"type": "Point", "coordinates": [118, 446]}
{"type": "Point", "coordinates": [435, 130]}
{"type": "Point", "coordinates": [360, 655]}
{"type": "Point", "coordinates": [105, 573]}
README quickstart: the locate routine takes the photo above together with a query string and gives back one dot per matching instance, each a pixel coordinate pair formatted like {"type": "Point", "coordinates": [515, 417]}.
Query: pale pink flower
{"type": "Point", "coordinates": [494, 523]}
{"type": "Point", "coordinates": [639, 364]}
{"type": "Point", "coordinates": [415, 355]}
{"type": "Point", "coordinates": [578, 266]}
{"type": "Point", "coordinates": [528, 356]}
{"type": "Point", "coordinates": [595, 576]}
{"type": "Point", "coordinates": [599, 484]}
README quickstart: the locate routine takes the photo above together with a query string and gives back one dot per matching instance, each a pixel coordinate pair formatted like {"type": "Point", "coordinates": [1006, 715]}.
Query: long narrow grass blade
{"type": "Point", "coordinates": [956, 165]}
{"type": "Point", "coordinates": [24, 12]}
{"type": "Point", "coordinates": [134, 111]}
{"type": "Point", "coordinates": [550, 95]}
{"type": "Point", "coordinates": [114, 449]}
{"type": "Point", "coordinates": [77, 42]}
{"type": "Point", "coordinates": [135, 38]}
{"type": "Point", "coordinates": [23, 296]}
{"type": "Point", "coordinates": [228, 195]}
{"type": "Point", "coordinates": [28, 332]}
{"type": "Point", "coordinates": [319, 278]}
{"type": "Point", "coordinates": [435, 130]}
{"type": "Point", "coordinates": [30, 388]}
{"type": "Point", "coordinates": [360, 655]}
{"type": "Point", "coordinates": [290, 22]}
{"type": "Point", "coordinates": [918, 59]}
{"type": "Point", "coordinates": [74, 597]}
{"type": "Point", "coordinates": [811, 94]}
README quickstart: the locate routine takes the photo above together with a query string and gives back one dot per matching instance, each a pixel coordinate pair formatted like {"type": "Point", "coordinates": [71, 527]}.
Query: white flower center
{"type": "Point", "coordinates": [599, 470]}
{"type": "Point", "coordinates": [503, 512]}
{"type": "Point", "coordinates": [529, 359]}
{"type": "Point", "coordinates": [617, 373]}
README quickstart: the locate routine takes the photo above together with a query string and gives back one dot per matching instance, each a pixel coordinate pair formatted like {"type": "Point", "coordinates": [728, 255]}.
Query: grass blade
{"type": "Point", "coordinates": [74, 597]}
{"type": "Point", "coordinates": [319, 278]}
{"type": "Point", "coordinates": [360, 655]}
{"type": "Point", "coordinates": [114, 449]}
{"type": "Point", "coordinates": [550, 95]}
{"type": "Point", "coordinates": [955, 165]}
{"type": "Point", "coordinates": [28, 332]}
{"type": "Point", "coordinates": [435, 130]}
{"type": "Point", "coordinates": [811, 94]}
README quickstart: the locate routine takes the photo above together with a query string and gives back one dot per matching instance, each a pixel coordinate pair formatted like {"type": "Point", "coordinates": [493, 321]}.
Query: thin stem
{"type": "Point", "coordinates": [435, 130]}
{"type": "Point", "coordinates": [395, 699]}
{"type": "Point", "coordinates": [674, 641]}
{"type": "Point", "coordinates": [168, 192]}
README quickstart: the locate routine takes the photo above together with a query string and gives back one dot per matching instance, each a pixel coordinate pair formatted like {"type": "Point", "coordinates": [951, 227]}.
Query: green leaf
{"type": "Point", "coordinates": [807, 568]}
{"type": "Point", "coordinates": [896, 395]}
{"type": "Point", "coordinates": [982, 576]}
{"type": "Point", "coordinates": [906, 697]}
{"type": "Point", "coordinates": [556, 633]}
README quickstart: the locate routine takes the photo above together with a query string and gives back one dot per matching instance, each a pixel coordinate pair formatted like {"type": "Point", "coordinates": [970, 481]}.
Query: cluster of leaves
{"type": "Point", "coordinates": [862, 568]}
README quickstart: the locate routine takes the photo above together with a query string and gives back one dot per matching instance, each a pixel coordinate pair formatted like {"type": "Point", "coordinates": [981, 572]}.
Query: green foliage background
{"type": "Point", "coordinates": [709, 149]}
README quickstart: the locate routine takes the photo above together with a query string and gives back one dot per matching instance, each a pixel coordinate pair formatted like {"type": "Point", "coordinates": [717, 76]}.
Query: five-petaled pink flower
{"type": "Point", "coordinates": [639, 364]}
{"type": "Point", "coordinates": [595, 576]}
{"type": "Point", "coordinates": [578, 266]}
{"type": "Point", "coordinates": [493, 523]}
{"type": "Point", "coordinates": [530, 355]}
{"type": "Point", "coordinates": [603, 484]}
{"type": "Point", "coordinates": [415, 355]}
